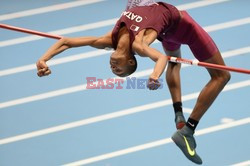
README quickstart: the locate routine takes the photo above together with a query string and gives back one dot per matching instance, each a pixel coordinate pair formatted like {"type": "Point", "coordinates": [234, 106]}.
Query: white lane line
{"type": "Point", "coordinates": [157, 143]}
{"type": "Point", "coordinates": [199, 4]}
{"type": "Point", "coordinates": [245, 163]}
{"type": "Point", "coordinates": [72, 89]}
{"type": "Point", "coordinates": [113, 115]}
{"type": "Point", "coordinates": [47, 9]}
{"type": "Point", "coordinates": [86, 2]}
{"type": "Point", "coordinates": [226, 120]}
{"type": "Point", "coordinates": [60, 92]}
{"type": "Point", "coordinates": [98, 24]}
{"type": "Point", "coordinates": [57, 61]}
{"type": "Point", "coordinates": [187, 110]}
{"type": "Point", "coordinates": [229, 24]}
{"type": "Point", "coordinates": [60, 32]}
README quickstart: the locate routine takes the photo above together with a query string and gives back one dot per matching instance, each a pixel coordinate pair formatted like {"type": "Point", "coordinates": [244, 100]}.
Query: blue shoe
{"type": "Point", "coordinates": [185, 141]}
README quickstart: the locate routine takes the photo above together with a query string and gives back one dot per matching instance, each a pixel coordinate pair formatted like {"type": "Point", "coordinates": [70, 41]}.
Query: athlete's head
{"type": "Point", "coordinates": [122, 61]}
{"type": "Point", "coordinates": [123, 65]}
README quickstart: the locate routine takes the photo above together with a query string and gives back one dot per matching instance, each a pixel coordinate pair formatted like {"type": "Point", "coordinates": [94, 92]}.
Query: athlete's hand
{"type": "Point", "coordinates": [153, 84]}
{"type": "Point", "coordinates": [42, 68]}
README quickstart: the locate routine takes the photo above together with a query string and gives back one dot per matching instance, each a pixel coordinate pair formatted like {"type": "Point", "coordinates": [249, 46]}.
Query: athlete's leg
{"type": "Point", "coordinates": [184, 138]}
{"type": "Point", "coordinates": [204, 49]}
{"type": "Point", "coordinates": [174, 84]}
{"type": "Point", "coordinates": [209, 93]}
{"type": "Point", "coordinates": [173, 76]}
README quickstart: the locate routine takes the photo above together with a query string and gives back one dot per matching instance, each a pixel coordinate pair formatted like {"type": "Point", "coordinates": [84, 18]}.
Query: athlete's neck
{"type": "Point", "coordinates": [123, 41]}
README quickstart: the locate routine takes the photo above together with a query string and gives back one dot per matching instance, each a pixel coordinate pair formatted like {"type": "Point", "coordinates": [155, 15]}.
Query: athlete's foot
{"type": "Point", "coordinates": [185, 141]}
{"type": "Point", "coordinates": [179, 120]}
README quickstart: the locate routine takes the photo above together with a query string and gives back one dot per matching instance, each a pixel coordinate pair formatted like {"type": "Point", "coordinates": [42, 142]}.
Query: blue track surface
{"type": "Point", "coordinates": [224, 147]}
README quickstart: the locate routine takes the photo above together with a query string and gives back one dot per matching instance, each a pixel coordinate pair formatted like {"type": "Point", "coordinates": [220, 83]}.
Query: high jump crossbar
{"type": "Point", "coordinates": [172, 59]}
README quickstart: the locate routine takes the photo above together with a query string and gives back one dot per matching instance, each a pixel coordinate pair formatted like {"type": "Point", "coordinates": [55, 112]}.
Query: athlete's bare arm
{"type": "Point", "coordinates": [141, 47]}
{"type": "Point", "coordinates": [65, 43]}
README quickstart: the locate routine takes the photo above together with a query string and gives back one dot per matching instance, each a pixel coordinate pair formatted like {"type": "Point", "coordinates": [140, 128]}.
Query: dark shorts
{"type": "Point", "coordinates": [190, 33]}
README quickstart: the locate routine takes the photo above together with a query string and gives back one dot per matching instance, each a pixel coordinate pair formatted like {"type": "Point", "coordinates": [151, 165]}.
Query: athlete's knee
{"type": "Point", "coordinates": [221, 76]}
{"type": "Point", "coordinates": [173, 69]}
{"type": "Point", "coordinates": [226, 77]}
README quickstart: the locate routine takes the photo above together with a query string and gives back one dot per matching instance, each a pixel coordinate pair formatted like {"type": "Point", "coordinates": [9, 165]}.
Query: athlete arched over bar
{"type": "Point", "coordinates": [133, 33]}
